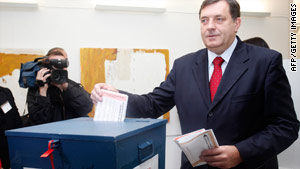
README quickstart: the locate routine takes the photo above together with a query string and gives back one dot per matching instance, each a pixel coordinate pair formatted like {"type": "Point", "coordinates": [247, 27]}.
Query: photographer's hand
{"type": "Point", "coordinates": [42, 77]}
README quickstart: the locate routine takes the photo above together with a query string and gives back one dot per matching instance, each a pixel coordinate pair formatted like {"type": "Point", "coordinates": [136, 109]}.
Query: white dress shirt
{"type": "Point", "coordinates": [226, 55]}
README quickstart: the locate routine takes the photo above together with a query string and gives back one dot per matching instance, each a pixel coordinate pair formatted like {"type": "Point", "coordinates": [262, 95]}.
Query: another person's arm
{"type": "Point", "coordinates": [77, 99]}
{"type": "Point", "coordinates": [39, 104]}
{"type": "Point", "coordinates": [39, 107]}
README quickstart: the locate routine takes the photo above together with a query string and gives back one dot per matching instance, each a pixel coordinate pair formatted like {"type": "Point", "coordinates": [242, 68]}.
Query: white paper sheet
{"type": "Point", "coordinates": [112, 108]}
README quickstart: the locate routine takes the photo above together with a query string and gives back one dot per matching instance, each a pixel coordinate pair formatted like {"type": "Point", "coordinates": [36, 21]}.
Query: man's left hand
{"type": "Point", "coordinates": [222, 157]}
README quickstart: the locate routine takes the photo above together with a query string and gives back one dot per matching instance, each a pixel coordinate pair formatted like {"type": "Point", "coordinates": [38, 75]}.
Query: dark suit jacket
{"type": "Point", "coordinates": [8, 120]}
{"type": "Point", "coordinates": [252, 109]}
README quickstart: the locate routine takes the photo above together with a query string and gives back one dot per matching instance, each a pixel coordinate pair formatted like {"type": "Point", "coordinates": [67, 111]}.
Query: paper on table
{"type": "Point", "coordinates": [112, 108]}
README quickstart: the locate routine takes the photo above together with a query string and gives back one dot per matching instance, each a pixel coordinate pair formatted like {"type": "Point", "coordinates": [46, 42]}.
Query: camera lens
{"type": "Point", "coordinates": [59, 76]}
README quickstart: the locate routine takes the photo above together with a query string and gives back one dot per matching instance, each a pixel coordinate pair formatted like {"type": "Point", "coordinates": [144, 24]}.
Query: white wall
{"type": "Point", "coordinates": [177, 30]}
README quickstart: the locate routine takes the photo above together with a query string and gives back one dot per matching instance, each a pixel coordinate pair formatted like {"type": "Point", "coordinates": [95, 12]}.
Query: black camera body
{"type": "Point", "coordinates": [56, 67]}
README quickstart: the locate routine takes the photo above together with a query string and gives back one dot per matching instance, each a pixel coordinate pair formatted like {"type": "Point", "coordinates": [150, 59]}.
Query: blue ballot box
{"type": "Point", "coordinates": [86, 144]}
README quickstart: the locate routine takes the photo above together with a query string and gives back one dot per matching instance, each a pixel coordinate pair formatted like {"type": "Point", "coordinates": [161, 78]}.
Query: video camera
{"type": "Point", "coordinates": [56, 66]}
{"type": "Point", "coordinates": [28, 71]}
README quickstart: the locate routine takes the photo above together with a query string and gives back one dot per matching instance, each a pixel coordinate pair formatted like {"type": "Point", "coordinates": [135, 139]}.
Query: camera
{"type": "Point", "coordinates": [28, 71]}
{"type": "Point", "coordinates": [56, 67]}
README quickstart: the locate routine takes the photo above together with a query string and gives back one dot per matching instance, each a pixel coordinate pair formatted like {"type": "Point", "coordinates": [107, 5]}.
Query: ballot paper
{"type": "Point", "coordinates": [192, 144]}
{"type": "Point", "coordinates": [112, 107]}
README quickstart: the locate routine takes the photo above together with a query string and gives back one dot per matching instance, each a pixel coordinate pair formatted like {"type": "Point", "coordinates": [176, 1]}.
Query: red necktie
{"type": "Point", "coordinates": [216, 76]}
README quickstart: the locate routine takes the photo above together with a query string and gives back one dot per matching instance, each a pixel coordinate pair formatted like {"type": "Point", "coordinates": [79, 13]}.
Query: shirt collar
{"type": "Point", "coordinates": [225, 55]}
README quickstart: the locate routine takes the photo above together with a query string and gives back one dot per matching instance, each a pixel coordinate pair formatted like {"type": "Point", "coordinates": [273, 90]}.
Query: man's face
{"type": "Point", "coordinates": [218, 30]}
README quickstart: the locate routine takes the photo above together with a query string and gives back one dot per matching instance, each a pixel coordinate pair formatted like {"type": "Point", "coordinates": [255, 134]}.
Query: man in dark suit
{"type": "Point", "coordinates": [245, 98]}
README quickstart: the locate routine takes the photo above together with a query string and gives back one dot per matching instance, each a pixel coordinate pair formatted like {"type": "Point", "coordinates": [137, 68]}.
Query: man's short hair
{"type": "Point", "coordinates": [57, 51]}
{"type": "Point", "coordinates": [234, 7]}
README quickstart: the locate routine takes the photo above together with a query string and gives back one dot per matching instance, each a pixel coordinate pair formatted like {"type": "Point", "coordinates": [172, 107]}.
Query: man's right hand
{"type": "Point", "coordinates": [42, 77]}
{"type": "Point", "coordinates": [96, 94]}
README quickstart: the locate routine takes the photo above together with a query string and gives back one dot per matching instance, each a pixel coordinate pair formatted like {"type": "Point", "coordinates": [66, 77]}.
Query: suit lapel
{"type": "Point", "coordinates": [235, 69]}
{"type": "Point", "coordinates": [200, 70]}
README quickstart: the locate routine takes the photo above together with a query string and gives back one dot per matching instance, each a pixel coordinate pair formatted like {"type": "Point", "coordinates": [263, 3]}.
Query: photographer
{"type": "Point", "coordinates": [56, 97]}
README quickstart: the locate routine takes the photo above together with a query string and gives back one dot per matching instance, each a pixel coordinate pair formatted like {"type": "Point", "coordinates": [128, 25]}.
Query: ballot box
{"type": "Point", "coordinates": [86, 144]}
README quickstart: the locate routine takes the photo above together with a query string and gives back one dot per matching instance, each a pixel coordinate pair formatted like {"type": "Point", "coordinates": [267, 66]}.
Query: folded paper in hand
{"type": "Point", "coordinates": [112, 108]}
{"type": "Point", "coordinates": [192, 144]}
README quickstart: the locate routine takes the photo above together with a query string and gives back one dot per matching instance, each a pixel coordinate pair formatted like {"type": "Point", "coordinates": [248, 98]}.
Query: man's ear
{"type": "Point", "coordinates": [237, 24]}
